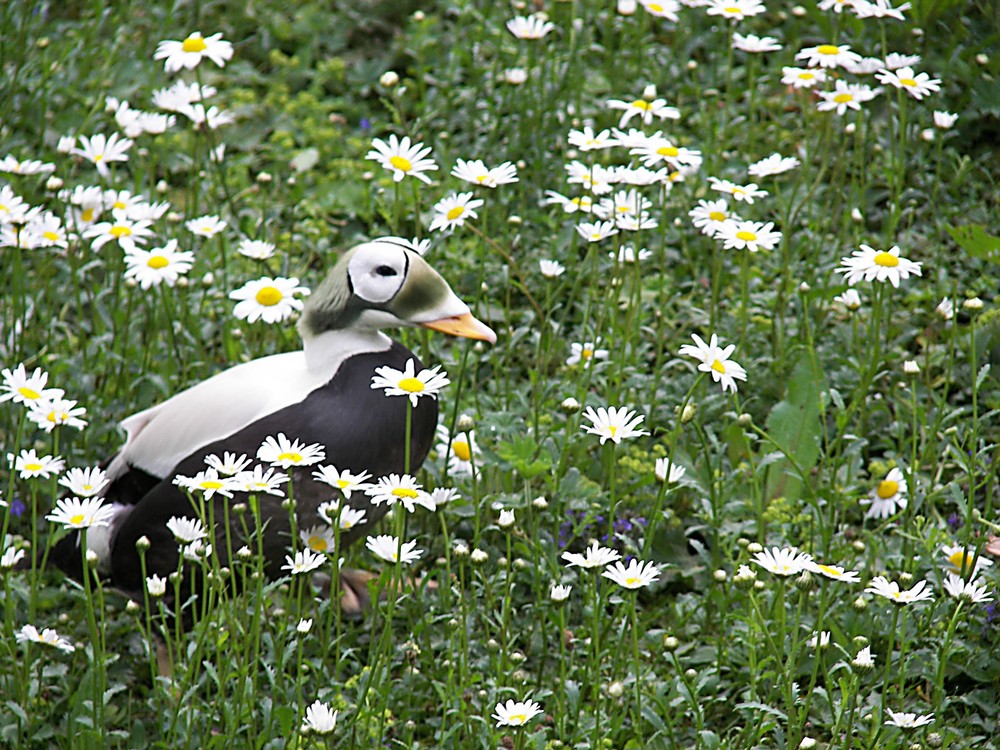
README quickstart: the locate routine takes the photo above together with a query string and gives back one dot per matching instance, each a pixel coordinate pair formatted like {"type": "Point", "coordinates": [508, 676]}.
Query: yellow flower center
{"type": "Point", "coordinates": [269, 296]}
{"type": "Point", "coordinates": [405, 492]}
{"type": "Point", "coordinates": [317, 543]}
{"type": "Point", "coordinates": [655, 7]}
{"type": "Point", "coordinates": [98, 157]}
{"type": "Point", "coordinates": [887, 488]}
{"type": "Point", "coordinates": [517, 719]}
{"type": "Point", "coordinates": [612, 430]}
{"type": "Point", "coordinates": [32, 467]}
{"type": "Point", "coordinates": [482, 178]}
{"type": "Point", "coordinates": [641, 104]}
{"type": "Point", "coordinates": [194, 44]}
{"type": "Point", "coordinates": [959, 559]}
{"type": "Point", "coordinates": [907, 82]}
{"type": "Point", "coordinates": [829, 570]}
{"type": "Point", "coordinates": [411, 385]}
{"type": "Point", "coordinates": [401, 163]}
{"type": "Point", "coordinates": [668, 151]}
{"type": "Point", "coordinates": [805, 75]}
{"type": "Point", "coordinates": [717, 216]}
{"type": "Point", "coordinates": [29, 393]}
{"type": "Point", "coordinates": [461, 449]}
{"type": "Point", "coordinates": [158, 262]}
{"type": "Point", "coordinates": [290, 456]}
{"type": "Point", "coordinates": [746, 236]}
{"type": "Point", "coordinates": [732, 10]}
{"type": "Point", "coordinates": [345, 524]}
{"type": "Point", "coordinates": [586, 353]}
{"type": "Point", "coordinates": [119, 204]}
{"type": "Point", "coordinates": [211, 484]}
{"type": "Point", "coordinates": [632, 581]}
{"type": "Point", "coordinates": [53, 417]}
{"type": "Point", "coordinates": [828, 49]}
{"type": "Point", "coordinates": [886, 259]}
{"type": "Point", "coordinates": [342, 483]}
{"type": "Point", "coordinates": [51, 236]}
{"type": "Point", "coordinates": [119, 231]}
{"type": "Point", "coordinates": [719, 367]}
{"type": "Point", "coordinates": [77, 519]}
{"type": "Point", "coordinates": [843, 98]}
{"type": "Point", "coordinates": [455, 212]}
{"type": "Point", "coordinates": [87, 215]}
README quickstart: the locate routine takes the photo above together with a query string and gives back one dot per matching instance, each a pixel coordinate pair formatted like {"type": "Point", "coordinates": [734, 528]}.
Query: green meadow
{"type": "Point", "coordinates": [728, 477]}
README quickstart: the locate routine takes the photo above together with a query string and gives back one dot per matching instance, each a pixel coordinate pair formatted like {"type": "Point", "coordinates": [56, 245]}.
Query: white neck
{"type": "Point", "coordinates": [325, 352]}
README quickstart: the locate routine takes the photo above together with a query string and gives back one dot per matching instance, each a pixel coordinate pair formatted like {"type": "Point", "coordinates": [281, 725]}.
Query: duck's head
{"type": "Point", "coordinates": [385, 284]}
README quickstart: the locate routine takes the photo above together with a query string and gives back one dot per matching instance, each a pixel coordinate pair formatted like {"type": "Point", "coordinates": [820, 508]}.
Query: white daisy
{"type": "Point", "coordinates": [908, 720]}
{"type": "Point", "coordinates": [343, 480]}
{"type": "Point", "coordinates": [869, 264]}
{"type": "Point", "coordinates": [399, 488]}
{"type": "Point", "coordinates": [51, 413]}
{"type": "Point", "coordinates": [971, 590]}
{"type": "Point", "coordinates": [636, 575]}
{"type": "Point", "coordinates": [888, 497]}
{"type": "Point", "coordinates": [452, 211]}
{"type": "Point", "coordinates": [773, 164]}
{"type": "Point", "coordinates": [187, 530]}
{"type": "Point", "coordinates": [782, 561]}
{"type": "Point", "coordinates": [388, 548]}
{"type": "Point", "coordinates": [402, 158]}
{"type": "Point", "coordinates": [595, 556]}
{"type": "Point", "coordinates": [881, 586]}
{"type": "Point", "coordinates": [746, 193]}
{"type": "Point", "coordinates": [48, 637]}
{"type": "Point", "coordinates": [319, 719]}
{"type": "Point", "coordinates": [515, 713]}
{"type": "Point", "coordinates": [206, 226]}
{"type": "Point", "coordinates": [612, 423]}
{"type": "Point", "coordinates": [586, 353]}
{"type": "Point", "coordinates": [261, 479]}
{"type": "Point", "coordinates": [21, 388]}
{"type": "Point", "coordinates": [478, 173]}
{"type": "Point", "coordinates": [828, 55]}
{"type": "Point", "coordinates": [81, 513]}
{"type": "Point", "coordinates": [708, 216]}
{"type": "Point", "coordinates": [267, 299]}
{"type": "Point", "coordinates": [190, 52]}
{"type": "Point", "coordinates": [715, 360]}
{"type": "Point", "coordinates": [752, 235]}
{"type": "Point", "coordinates": [802, 78]}
{"type": "Point", "coordinates": [409, 382]}
{"type": "Point", "coordinates": [305, 561]}
{"type": "Point", "coordinates": [917, 85]}
{"type": "Point", "coordinates": [101, 150]}
{"type": "Point", "coordinates": [84, 482]}
{"type": "Point", "coordinates": [159, 265]}
{"type": "Point", "coordinates": [280, 451]}
{"type": "Point", "coordinates": [29, 464]}
{"type": "Point", "coordinates": [644, 109]}
{"type": "Point", "coordinates": [529, 27]}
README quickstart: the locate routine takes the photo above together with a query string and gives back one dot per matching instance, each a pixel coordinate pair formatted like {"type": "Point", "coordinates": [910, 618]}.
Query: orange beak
{"type": "Point", "coordinates": [465, 326]}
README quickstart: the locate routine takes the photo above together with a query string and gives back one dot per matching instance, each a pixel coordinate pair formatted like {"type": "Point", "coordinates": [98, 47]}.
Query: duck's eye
{"type": "Point", "coordinates": [385, 271]}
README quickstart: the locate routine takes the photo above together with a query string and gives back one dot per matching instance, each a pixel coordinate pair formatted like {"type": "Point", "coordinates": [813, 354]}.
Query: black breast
{"type": "Point", "coordinates": [360, 428]}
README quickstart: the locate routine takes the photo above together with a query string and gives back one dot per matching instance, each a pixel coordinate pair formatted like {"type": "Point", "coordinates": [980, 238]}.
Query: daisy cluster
{"type": "Point", "coordinates": [109, 214]}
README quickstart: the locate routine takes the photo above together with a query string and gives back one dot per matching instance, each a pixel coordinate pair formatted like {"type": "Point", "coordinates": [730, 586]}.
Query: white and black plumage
{"type": "Point", "coordinates": [320, 394]}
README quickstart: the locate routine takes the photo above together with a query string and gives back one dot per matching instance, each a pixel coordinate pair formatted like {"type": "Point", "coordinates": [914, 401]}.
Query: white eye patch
{"type": "Point", "coordinates": [377, 270]}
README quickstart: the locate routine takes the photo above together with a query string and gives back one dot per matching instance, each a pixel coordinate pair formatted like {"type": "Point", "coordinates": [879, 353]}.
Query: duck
{"type": "Point", "coordinates": [321, 394]}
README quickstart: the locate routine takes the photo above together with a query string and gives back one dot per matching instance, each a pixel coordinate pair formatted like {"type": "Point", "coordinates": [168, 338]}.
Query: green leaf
{"type": "Point", "coordinates": [974, 239]}
{"type": "Point", "coordinates": [794, 427]}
